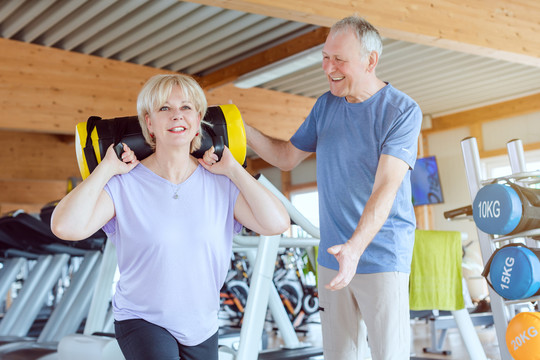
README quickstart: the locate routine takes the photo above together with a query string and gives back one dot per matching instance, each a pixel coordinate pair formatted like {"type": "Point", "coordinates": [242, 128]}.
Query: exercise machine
{"type": "Point", "coordinates": [96, 341]}
{"type": "Point", "coordinates": [53, 257]}
{"type": "Point", "coordinates": [262, 252]}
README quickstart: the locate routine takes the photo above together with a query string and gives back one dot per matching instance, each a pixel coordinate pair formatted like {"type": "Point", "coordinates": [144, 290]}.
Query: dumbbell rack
{"type": "Point", "coordinates": [503, 310]}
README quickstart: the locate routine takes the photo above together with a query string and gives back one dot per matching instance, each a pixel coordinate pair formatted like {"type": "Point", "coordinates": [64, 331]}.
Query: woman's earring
{"type": "Point", "coordinates": [197, 134]}
{"type": "Point", "coordinates": [152, 135]}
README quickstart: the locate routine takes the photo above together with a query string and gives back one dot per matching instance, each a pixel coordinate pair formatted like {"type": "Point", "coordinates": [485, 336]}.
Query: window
{"type": "Point", "coordinates": [307, 202]}
{"type": "Point", "coordinates": [498, 166]}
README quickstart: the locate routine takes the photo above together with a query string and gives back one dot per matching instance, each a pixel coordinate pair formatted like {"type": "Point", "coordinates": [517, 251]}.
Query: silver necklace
{"type": "Point", "coordinates": [175, 195]}
{"type": "Point", "coordinates": [178, 186]}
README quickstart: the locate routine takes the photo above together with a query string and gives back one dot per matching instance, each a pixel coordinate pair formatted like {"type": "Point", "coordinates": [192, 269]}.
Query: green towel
{"type": "Point", "coordinates": [436, 282]}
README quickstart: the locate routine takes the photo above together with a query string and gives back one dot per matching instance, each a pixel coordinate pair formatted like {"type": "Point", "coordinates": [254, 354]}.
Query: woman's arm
{"type": "Point", "coordinates": [256, 207]}
{"type": "Point", "coordinates": [88, 207]}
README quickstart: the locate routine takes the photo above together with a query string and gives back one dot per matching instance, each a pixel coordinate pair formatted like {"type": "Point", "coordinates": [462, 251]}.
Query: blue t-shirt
{"type": "Point", "coordinates": [349, 139]}
{"type": "Point", "coordinates": [173, 254]}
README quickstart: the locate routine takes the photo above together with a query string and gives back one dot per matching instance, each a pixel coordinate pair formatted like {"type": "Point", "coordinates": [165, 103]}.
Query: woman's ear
{"type": "Point", "coordinates": [199, 121]}
{"type": "Point", "coordinates": [148, 123]}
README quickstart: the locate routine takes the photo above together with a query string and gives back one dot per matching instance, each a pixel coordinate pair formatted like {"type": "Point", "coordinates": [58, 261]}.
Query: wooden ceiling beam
{"type": "Point", "coordinates": [267, 57]}
{"type": "Point", "coordinates": [501, 29]}
{"type": "Point", "coordinates": [505, 109]}
{"type": "Point", "coordinates": [274, 113]}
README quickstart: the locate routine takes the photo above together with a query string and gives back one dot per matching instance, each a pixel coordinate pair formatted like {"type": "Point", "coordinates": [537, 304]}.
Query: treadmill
{"type": "Point", "coordinates": [27, 236]}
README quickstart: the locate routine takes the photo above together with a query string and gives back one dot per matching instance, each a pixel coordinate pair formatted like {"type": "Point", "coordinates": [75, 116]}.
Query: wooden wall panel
{"type": "Point", "coordinates": [36, 156]}
{"type": "Point", "coordinates": [51, 90]}
{"type": "Point", "coordinates": [39, 192]}
{"type": "Point", "coordinates": [6, 208]}
{"type": "Point", "coordinates": [34, 169]}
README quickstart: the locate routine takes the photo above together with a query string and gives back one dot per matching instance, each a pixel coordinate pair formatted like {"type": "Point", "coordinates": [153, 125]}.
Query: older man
{"type": "Point", "coordinates": [365, 133]}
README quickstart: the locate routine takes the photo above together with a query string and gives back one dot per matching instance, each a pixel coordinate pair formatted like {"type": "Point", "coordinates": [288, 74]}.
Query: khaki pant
{"type": "Point", "coordinates": [381, 301]}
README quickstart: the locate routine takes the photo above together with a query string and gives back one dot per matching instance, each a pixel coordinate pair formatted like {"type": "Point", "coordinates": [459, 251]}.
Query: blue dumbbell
{"type": "Point", "coordinates": [502, 209]}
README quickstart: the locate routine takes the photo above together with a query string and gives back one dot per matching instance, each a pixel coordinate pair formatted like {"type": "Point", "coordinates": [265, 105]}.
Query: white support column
{"type": "Point", "coordinates": [257, 302]}
{"type": "Point", "coordinates": [471, 159]}
{"type": "Point", "coordinates": [469, 335]}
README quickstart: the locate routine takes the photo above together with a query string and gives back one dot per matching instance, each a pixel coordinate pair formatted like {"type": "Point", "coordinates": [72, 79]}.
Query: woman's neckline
{"type": "Point", "coordinates": [189, 174]}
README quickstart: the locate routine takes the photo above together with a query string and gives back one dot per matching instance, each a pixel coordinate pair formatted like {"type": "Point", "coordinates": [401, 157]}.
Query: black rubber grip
{"type": "Point", "coordinates": [119, 149]}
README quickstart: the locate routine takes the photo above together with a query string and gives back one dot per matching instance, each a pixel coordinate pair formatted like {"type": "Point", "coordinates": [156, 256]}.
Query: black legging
{"type": "Point", "coordinates": [141, 340]}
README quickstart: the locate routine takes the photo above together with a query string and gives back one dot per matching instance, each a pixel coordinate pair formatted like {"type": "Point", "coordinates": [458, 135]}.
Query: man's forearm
{"type": "Point", "coordinates": [274, 151]}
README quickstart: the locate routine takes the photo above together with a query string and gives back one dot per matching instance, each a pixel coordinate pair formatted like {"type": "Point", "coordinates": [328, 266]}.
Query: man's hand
{"type": "Point", "coordinates": [347, 258]}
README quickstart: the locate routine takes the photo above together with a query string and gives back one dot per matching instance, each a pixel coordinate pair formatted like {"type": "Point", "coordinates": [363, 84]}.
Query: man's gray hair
{"type": "Point", "coordinates": [367, 34]}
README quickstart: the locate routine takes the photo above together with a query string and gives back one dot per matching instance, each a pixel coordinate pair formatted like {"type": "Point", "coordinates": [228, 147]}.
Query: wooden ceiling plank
{"type": "Point", "coordinates": [28, 12]}
{"type": "Point", "coordinates": [498, 28]}
{"type": "Point", "coordinates": [81, 15]}
{"type": "Point", "coordinates": [282, 51]}
{"type": "Point", "coordinates": [52, 16]}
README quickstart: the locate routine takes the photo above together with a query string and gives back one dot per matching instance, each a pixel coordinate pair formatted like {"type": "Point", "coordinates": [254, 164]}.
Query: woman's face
{"type": "Point", "coordinates": [176, 122]}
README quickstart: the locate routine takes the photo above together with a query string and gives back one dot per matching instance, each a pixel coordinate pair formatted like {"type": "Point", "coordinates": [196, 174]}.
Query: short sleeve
{"type": "Point", "coordinates": [305, 138]}
{"type": "Point", "coordinates": [237, 227]}
{"type": "Point", "coordinates": [110, 226]}
{"type": "Point", "coordinates": [402, 139]}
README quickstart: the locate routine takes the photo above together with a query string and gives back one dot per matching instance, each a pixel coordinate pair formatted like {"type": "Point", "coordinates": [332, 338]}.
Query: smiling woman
{"type": "Point", "coordinates": [168, 215]}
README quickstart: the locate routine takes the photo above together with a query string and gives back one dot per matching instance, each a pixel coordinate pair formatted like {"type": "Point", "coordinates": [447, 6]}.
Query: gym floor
{"type": "Point", "coordinates": [454, 343]}
{"type": "Point", "coordinates": [420, 332]}
{"type": "Point", "coordinates": [422, 339]}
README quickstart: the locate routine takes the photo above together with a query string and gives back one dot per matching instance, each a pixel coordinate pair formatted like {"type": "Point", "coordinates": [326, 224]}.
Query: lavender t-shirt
{"type": "Point", "coordinates": [173, 253]}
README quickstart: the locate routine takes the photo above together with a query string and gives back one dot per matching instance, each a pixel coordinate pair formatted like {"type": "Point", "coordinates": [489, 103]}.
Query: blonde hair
{"type": "Point", "coordinates": [367, 34]}
{"type": "Point", "coordinates": [155, 93]}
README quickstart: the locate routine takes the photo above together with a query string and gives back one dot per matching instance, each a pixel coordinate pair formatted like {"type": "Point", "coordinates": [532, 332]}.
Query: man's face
{"type": "Point", "coordinates": [344, 65]}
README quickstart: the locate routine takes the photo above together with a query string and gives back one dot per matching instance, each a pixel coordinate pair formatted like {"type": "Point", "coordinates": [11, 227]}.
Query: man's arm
{"type": "Point", "coordinates": [279, 153]}
{"type": "Point", "coordinates": [388, 178]}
